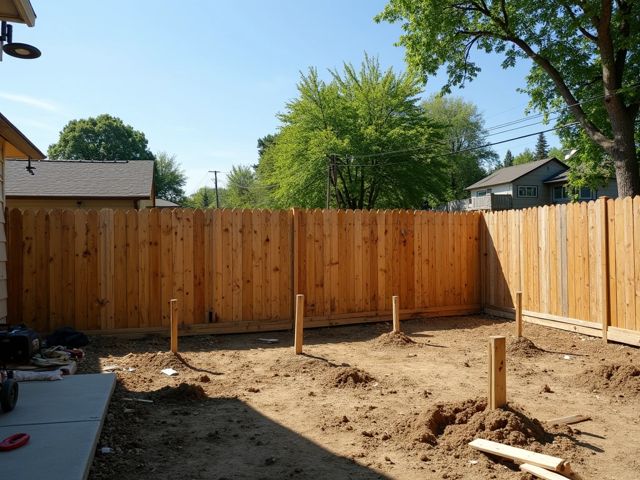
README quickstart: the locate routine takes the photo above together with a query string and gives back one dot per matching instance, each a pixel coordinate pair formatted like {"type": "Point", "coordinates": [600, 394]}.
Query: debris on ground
{"type": "Point", "coordinates": [393, 339]}
{"type": "Point", "coordinates": [351, 377]}
{"type": "Point", "coordinates": [523, 347]}
{"type": "Point", "coordinates": [621, 379]}
{"type": "Point", "coordinates": [183, 392]}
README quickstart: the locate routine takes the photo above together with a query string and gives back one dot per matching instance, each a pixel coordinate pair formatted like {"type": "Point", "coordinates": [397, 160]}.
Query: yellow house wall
{"type": "Point", "coordinates": [89, 203]}
{"type": "Point", "coordinates": [3, 243]}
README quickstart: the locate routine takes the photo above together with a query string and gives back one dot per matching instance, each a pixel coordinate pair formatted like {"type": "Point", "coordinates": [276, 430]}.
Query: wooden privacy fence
{"type": "Point", "coordinates": [236, 270]}
{"type": "Point", "coordinates": [577, 265]}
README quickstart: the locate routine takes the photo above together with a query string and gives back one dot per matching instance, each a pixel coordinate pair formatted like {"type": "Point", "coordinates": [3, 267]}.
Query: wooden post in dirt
{"type": "Point", "coordinates": [395, 302]}
{"type": "Point", "coordinates": [173, 307]}
{"type": "Point", "coordinates": [299, 325]}
{"type": "Point", "coordinates": [519, 314]}
{"type": "Point", "coordinates": [497, 373]}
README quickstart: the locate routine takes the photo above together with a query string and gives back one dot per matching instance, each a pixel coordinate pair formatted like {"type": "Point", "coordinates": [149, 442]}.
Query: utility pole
{"type": "Point", "coordinates": [328, 180]}
{"type": "Point", "coordinates": [215, 176]}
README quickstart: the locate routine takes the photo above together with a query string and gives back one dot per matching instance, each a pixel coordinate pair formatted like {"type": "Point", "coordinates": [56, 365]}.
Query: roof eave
{"type": "Point", "coordinates": [17, 145]}
{"type": "Point", "coordinates": [25, 13]}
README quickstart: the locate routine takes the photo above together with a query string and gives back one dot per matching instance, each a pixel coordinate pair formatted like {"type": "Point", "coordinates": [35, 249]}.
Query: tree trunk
{"type": "Point", "coordinates": [623, 153]}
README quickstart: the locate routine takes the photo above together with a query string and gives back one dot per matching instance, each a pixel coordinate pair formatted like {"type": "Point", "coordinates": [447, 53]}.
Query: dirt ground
{"type": "Point", "coordinates": [361, 403]}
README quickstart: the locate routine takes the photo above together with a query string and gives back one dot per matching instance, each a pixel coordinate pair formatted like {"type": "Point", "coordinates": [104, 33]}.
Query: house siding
{"type": "Point", "coordinates": [502, 189]}
{"type": "Point", "coordinates": [92, 203]}
{"type": "Point", "coordinates": [3, 243]}
{"type": "Point", "coordinates": [536, 178]}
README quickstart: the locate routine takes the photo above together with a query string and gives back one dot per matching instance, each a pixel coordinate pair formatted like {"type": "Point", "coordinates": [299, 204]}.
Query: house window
{"type": "Point", "coordinates": [586, 193]}
{"type": "Point", "coordinates": [481, 193]}
{"type": "Point", "coordinates": [560, 193]}
{"type": "Point", "coordinates": [530, 191]}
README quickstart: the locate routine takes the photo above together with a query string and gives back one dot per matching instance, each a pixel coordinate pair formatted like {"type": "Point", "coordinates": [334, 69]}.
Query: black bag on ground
{"type": "Point", "coordinates": [67, 337]}
{"type": "Point", "coordinates": [18, 344]}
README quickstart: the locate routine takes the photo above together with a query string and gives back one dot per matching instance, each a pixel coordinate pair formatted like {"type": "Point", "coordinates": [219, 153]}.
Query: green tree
{"type": "Point", "coordinates": [205, 197]}
{"type": "Point", "coordinates": [524, 157]}
{"type": "Point", "coordinates": [169, 178]}
{"type": "Point", "coordinates": [242, 188]}
{"type": "Point", "coordinates": [508, 159]}
{"type": "Point", "coordinates": [100, 138]}
{"type": "Point", "coordinates": [365, 132]}
{"type": "Point", "coordinates": [585, 58]}
{"type": "Point", "coordinates": [542, 147]}
{"type": "Point", "coordinates": [556, 152]}
{"type": "Point", "coordinates": [464, 136]}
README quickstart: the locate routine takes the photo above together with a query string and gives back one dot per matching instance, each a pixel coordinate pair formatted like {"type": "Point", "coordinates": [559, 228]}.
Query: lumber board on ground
{"type": "Point", "coordinates": [520, 455]}
{"type": "Point", "coordinates": [571, 419]}
{"type": "Point", "coordinates": [541, 472]}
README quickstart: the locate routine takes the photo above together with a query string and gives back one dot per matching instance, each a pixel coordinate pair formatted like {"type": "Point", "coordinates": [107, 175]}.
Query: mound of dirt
{"type": "Point", "coordinates": [183, 392]}
{"type": "Point", "coordinates": [300, 365]}
{"type": "Point", "coordinates": [616, 379]}
{"type": "Point", "coordinates": [393, 339]}
{"type": "Point", "coordinates": [350, 377]}
{"type": "Point", "coordinates": [454, 425]}
{"type": "Point", "coordinates": [153, 361]}
{"type": "Point", "coordinates": [523, 347]}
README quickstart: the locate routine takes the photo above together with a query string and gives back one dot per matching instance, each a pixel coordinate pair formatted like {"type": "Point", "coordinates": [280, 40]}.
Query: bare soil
{"type": "Point", "coordinates": [362, 403]}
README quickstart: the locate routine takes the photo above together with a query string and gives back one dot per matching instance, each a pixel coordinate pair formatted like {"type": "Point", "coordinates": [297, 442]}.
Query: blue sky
{"type": "Point", "coordinates": [205, 79]}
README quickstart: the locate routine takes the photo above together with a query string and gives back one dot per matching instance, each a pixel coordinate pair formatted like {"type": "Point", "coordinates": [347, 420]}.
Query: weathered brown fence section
{"type": "Point", "coordinates": [350, 263]}
{"type": "Point", "coordinates": [236, 270]}
{"type": "Point", "coordinates": [578, 266]}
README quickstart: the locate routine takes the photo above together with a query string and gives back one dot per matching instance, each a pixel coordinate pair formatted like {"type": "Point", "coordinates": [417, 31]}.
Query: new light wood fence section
{"type": "Point", "coordinates": [112, 270]}
{"type": "Point", "coordinates": [236, 270]}
{"type": "Point", "coordinates": [578, 266]}
{"type": "Point", "coordinates": [349, 264]}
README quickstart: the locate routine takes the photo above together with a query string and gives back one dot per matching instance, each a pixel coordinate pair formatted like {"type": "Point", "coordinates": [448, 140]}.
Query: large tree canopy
{"type": "Point", "coordinates": [585, 57]}
{"type": "Point", "coordinates": [100, 138]}
{"type": "Point", "coordinates": [469, 159]}
{"type": "Point", "coordinates": [169, 178]}
{"type": "Point", "coordinates": [365, 132]}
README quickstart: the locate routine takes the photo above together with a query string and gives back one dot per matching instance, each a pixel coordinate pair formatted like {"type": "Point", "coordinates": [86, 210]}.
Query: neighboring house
{"type": "Point", "coordinates": [162, 203]}
{"type": "Point", "coordinates": [12, 144]}
{"type": "Point", "coordinates": [543, 182]}
{"type": "Point", "coordinates": [81, 184]}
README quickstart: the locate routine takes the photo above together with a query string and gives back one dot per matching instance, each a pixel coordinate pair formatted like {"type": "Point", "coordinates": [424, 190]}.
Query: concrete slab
{"type": "Point", "coordinates": [73, 399]}
{"type": "Point", "coordinates": [64, 419]}
{"type": "Point", "coordinates": [61, 451]}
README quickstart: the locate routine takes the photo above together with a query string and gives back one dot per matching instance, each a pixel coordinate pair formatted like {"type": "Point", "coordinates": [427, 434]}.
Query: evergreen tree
{"type": "Point", "coordinates": [508, 159]}
{"type": "Point", "coordinates": [542, 147]}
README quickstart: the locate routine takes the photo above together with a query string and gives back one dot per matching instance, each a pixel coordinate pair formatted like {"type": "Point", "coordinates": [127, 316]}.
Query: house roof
{"type": "Point", "coordinates": [20, 11]}
{"type": "Point", "coordinates": [162, 203]}
{"type": "Point", "coordinates": [85, 179]}
{"type": "Point", "coordinates": [17, 144]}
{"type": "Point", "coordinates": [558, 177]}
{"type": "Point", "coordinates": [511, 174]}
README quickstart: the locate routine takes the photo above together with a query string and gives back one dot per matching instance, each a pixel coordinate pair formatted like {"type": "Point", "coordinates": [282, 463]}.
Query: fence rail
{"type": "Point", "coordinates": [235, 270]}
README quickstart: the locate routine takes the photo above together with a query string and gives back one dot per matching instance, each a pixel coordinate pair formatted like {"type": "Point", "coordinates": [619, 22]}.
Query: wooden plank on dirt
{"type": "Point", "coordinates": [520, 455]}
{"type": "Point", "coordinates": [542, 473]}
{"type": "Point", "coordinates": [569, 420]}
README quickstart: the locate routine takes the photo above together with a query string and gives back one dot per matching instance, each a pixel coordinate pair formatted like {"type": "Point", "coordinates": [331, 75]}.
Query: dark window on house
{"type": "Point", "coordinates": [560, 193]}
{"type": "Point", "coordinates": [586, 193]}
{"type": "Point", "coordinates": [481, 193]}
{"type": "Point", "coordinates": [528, 191]}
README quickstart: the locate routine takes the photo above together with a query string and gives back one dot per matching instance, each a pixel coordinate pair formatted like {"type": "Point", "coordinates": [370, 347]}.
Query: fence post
{"type": "Point", "coordinates": [518, 314]}
{"type": "Point", "coordinates": [395, 302]}
{"type": "Point", "coordinates": [497, 373]}
{"type": "Point", "coordinates": [604, 261]}
{"type": "Point", "coordinates": [295, 217]}
{"type": "Point", "coordinates": [299, 324]}
{"type": "Point", "coordinates": [173, 303]}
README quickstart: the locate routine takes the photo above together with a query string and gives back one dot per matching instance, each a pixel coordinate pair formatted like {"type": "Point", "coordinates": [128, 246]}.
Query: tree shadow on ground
{"type": "Point", "coordinates": [183, 434]}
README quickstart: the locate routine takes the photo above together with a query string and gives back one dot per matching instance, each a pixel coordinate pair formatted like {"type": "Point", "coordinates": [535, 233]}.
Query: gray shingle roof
{"type": "Point", "coordinates": [62, 178]}
{"type": "Point", "coordinates": [510, 174]}
{"type": "Point", "coordinates": [558, 177]}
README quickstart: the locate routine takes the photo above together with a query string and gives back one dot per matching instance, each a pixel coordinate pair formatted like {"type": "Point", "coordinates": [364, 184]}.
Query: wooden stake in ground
{"type": "Point", "coordinates": [497, 373]}
{"type": "Point", "coordinates": [173, 308]}
{"type": "Point", "coordinates": [519, 314]}
{"type": "Point", "coordinates": [395, 302]}
{"type": "Point", "coordinates": [299, 324]}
